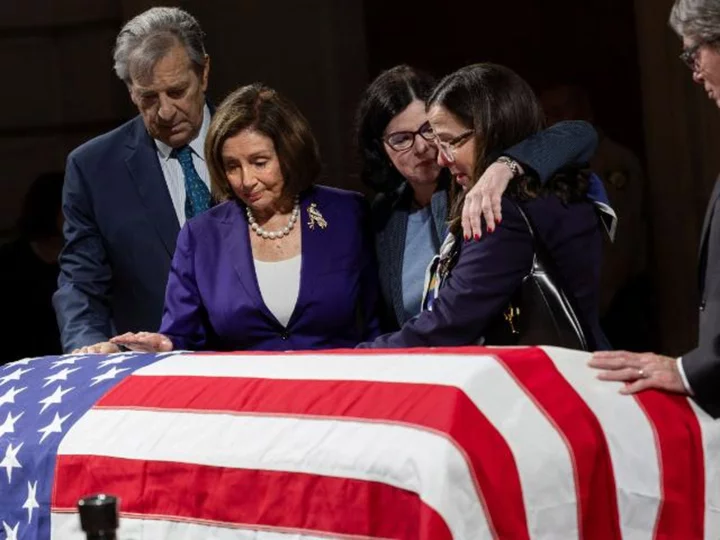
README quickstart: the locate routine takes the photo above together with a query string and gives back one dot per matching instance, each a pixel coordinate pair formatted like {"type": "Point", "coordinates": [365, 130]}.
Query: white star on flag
{"type": "Point", "coordinates": [15, 375]}
{"type": "Point", "coordinates": [114, 360]}
{"type": "Point", "coordinates": [54, 427]}
{"type": "Point", "coordinates": [109, 374]}
{"type": "Point", "coordinates": [59, 376]}
{"type": "Point", "coordinates": [10, 461]}
{"type": "Point", "coordinates": [9, 396]}
{"type": "Point", "coordinates": [23, 362]}
{"type": "Point", "coordinates": [11, 534]}
{"type": "Point", "coordinates": [9, 425]}
{"type": "Point", "coordinates": [66, 361]}
{"type": "Point", "coordinates": [55, 398]}
{"type": "Point", "coordinates": [31, 501]}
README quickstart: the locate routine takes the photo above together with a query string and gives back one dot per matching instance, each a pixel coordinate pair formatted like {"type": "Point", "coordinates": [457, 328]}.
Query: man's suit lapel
{"type": "Point", "coordinates": [145, 171]}
{"type": "Point", "coordinates": [709, 214]}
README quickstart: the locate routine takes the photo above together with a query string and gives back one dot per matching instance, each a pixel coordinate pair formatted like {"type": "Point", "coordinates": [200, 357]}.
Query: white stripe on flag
{"type": "Point", "coordinates": [450, 369]}
{"type": "Point", "coordinates": [67, 527]}
{"type": "Point", "coordinates": [549, 490]}
{"type": "Point", "coordinates": [548, 493]}
{"type": "Point", "coordinates": [711, 449]}
{"type": "Point", "coordinates": [630, 438]}
{"type": "Point", "coordinates": [411, 459]}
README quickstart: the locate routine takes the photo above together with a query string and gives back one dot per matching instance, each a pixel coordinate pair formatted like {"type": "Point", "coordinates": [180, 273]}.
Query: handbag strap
{"type": "Point", "coordinates": [543, 260]}
{"type": "Point", "coordinates": [537, 243]}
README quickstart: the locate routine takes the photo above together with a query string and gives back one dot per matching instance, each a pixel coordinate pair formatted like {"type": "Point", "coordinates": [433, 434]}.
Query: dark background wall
{"type": "Point", "coordinates": [59, 89]}
{"type": "Point", "coordinates": [589, 43]}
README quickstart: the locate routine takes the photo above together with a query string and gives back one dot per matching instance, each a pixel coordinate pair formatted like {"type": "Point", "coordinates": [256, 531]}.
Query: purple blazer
{"type": "Point", "coordinates": [213, 301]}
{"type": "Point", "coordinates": [489, 271]}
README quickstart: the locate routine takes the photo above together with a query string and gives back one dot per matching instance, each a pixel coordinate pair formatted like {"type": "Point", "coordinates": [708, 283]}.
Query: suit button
{"type": "Point", "coordinates": [702, 305]}
{"type": "Point", "coordinates": [285, 335]}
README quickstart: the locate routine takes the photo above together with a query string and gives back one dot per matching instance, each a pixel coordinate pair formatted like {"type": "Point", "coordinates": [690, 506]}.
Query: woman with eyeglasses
{"type": "Point", "coordinates": [477, 114]}
{"type": "Point", "coordinates": [399, 161]}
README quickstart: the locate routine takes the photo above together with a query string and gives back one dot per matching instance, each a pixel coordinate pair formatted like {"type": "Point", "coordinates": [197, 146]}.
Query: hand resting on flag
{"type": "Point", "coordinates": [144, 342]}
{"type": "Point", "coordinates": [641, 371]}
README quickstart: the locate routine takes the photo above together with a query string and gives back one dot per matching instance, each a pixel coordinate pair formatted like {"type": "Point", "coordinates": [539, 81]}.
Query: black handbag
{"type": "Point", "coordinates": [540, 312]}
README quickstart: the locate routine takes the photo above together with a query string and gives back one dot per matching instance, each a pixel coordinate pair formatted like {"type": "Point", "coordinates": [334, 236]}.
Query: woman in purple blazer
{"type": "Point", "coordinates": [281, 263]}
{"type": "Point", "coordinates": [476, 114]}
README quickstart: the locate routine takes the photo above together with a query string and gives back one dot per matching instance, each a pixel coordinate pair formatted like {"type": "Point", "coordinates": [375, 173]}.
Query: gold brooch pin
{"type": "Point", "coordinates": [315, 217]}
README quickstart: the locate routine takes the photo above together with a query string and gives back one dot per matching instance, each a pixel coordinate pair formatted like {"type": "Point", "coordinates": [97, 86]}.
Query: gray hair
{"type": "Point", "coordinates": [696, 18]}
{"type": "Point", "coordinates": [145, 39]}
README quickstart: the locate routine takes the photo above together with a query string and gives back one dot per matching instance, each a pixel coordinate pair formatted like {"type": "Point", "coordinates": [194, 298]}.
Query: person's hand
{"type": "Point", "coordinates": [104, 347]}
{"type": "Point", "coordinates": [640, 371]}
{"type": "Point", "coordinates": [483, 201]}
{"type": "Point", "coordinates": [144, 342]}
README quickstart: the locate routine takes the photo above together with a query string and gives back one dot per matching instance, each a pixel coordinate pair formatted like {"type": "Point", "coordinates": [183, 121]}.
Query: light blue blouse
{"type": "Point", "coordinates": [420, 248]}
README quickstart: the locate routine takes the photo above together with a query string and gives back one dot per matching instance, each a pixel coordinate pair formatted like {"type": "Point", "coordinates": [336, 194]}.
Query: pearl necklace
{"type": "Point", "coordinates": [274, 235]}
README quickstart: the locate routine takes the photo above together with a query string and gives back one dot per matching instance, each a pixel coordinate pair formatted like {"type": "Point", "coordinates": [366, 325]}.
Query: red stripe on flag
{"type": "Point", "coordinates": [679, 446]}
{"type": "Point", "coordinates": [598, 515]}
{"type": "Point", "coordinates": [444, 410]}
{"type": "Point", "coordinates": [276, 500]}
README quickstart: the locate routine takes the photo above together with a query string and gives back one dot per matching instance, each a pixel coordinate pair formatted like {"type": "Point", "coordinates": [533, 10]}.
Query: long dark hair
{"type": "Point", "coordinates": [503, 110]}
{"type": "Point", "coordinates": [386, 97]}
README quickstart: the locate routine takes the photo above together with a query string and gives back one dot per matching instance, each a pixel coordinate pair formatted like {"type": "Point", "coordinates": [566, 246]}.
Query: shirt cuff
{"type": "Point", "coordinates": [685, 382]}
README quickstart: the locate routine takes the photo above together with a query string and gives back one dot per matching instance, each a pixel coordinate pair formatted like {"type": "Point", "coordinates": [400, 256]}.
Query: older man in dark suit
{"type": "Point", "coordinates": [128, 192]}
{"type": "Point", "coordinates": [697, 372]}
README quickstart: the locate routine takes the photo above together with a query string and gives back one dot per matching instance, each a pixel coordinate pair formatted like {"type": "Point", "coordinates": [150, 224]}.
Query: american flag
{"type": "Point", "coordinates": [470, 443]}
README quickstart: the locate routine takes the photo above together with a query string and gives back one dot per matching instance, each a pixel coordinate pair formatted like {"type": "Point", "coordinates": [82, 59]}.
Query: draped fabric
{"type": "Point", "coordinates": [467, 443]}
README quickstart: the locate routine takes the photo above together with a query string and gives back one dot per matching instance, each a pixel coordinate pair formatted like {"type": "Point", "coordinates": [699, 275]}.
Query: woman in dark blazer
{"type": "Point", "coordinates": [399, 162]}
{"type": "Point", "coordinates": [281, 263]}
{"type": "Point", "coordinates": [476, 114]}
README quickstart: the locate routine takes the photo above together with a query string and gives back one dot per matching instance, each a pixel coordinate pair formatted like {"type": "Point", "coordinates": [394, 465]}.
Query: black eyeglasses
{"type": "Point", "coordinates": [404, 140]}
{"type": "Point", "coordinates": [448, 148]}
{"type": "Point", "coordinates": [689, 55]}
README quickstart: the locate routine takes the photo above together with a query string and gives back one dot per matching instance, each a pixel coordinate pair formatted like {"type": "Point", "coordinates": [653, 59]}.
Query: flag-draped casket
{"type": "Point", "coordinates": [468, 443]}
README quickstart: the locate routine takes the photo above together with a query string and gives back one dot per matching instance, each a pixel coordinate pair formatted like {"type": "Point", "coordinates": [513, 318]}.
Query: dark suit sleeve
{"type": "Point", "coordinates": [702, 370]}
{"type": "Point", "coordinates": [82, 301]}
{"type": "Point", "coordinates": [184, 319]}
{"type": "Point", "coordinates": [479, 287]}
{"type": "Point", "coordinates": [565, 143]}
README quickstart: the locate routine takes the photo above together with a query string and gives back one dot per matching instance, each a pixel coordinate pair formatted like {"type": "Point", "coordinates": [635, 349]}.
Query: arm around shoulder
{"type": "Point", "coordinates": [570, 143]}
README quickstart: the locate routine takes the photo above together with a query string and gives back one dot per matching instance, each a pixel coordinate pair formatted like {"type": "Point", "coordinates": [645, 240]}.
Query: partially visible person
{"type": "Point", "coordinates": [282, 263]}
{"type": "Point", "coordinates": [625, 297]}
{"type": "Point", "coordinates": [127, 192]}
{"type": "Point", "coordinates": [697, 372]}
{"type": "Point", "coordinates": [476, 115]}
{"type": "Point", "coordinates": [28, 274]}
{"type": "Point", "coordinates": [410, 212]}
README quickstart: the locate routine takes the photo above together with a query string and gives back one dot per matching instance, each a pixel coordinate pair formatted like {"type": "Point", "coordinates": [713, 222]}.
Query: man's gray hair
{"type": "Point", "coordinates": [698, 19]}
{"type": "Point", "coordinates": [148, 37]}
